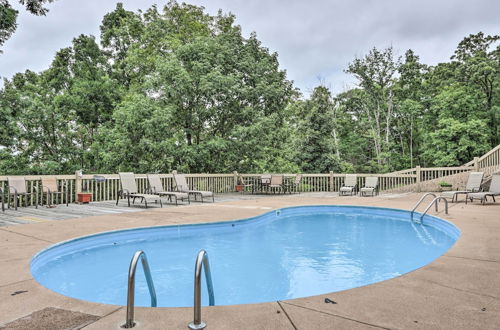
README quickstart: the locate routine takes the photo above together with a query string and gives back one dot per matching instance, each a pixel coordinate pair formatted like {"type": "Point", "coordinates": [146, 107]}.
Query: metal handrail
{"type": "Point", "coordinates": [201, 261]}
{"type": "Point", "coordinates": [420, 201]}
{"type": "Point", "coordinates": [131, 286]}
{"type": "Point", "coordinates": [435, 201]}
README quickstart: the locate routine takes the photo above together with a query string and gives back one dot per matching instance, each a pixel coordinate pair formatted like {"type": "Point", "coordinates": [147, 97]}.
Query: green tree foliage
{"type": "Point", "coordinates": [478, 70]}
{"type": "Point", "coordinates": [8, 16]}
{"type": "Point", "coordinates": [317, 152]}
{"type": "Point", "coordinates": [177, 88]}
{"type": "Point", "coordinates": [375, 73]}
{"type": "Point", "coordinates": [454, 142]}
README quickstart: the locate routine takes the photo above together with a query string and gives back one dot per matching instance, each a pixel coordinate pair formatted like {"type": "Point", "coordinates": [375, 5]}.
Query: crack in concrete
{"type": "Point", "coordinates": [112, 312]}
{"type": "Point", "coordinates": [288, 316]}
{"type": "Point", "coordinates": [13, 283]}
{"type": "Point", "coordinates": [475, 259]}
{"type": "Point", "coordinates": [336, 315]}
{"type": "Point", "coordinates": [462, 290]}
{"type": "Point", "coordinates": [39, 239]}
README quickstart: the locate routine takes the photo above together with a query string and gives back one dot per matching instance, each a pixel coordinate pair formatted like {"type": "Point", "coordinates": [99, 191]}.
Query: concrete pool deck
{"type": "Point", "coordinates": [459, 290]}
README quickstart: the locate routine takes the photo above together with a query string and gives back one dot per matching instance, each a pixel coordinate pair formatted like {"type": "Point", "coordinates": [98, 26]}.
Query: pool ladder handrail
{"type": "Point", "coordinates": [139, 255]}
{"type": "Point", "coordinates": [201, 261]}
{"type": "Point", "coordinates": [420, 202]}
{"type": "Point", "coordinates": [435, 201]}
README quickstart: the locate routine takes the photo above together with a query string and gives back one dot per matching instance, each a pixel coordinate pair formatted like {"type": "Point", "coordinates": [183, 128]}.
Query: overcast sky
{"type": "Point", "coordinates": [315, 39]}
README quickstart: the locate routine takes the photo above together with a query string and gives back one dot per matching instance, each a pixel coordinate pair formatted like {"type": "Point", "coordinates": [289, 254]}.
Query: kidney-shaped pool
{"type": "Point", "coordinates": [289, 253]}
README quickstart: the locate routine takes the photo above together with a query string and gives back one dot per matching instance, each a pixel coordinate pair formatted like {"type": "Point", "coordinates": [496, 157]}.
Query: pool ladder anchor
{"type": "Point", "coordinates": [434, 202]}
{"type": "Point", "coordinates": [201, 262]}
{"type": "Point", "coordinates": [139, 255]}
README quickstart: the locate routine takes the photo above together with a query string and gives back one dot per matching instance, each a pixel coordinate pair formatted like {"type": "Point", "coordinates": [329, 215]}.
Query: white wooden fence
{"type": "Point", "coordinates": [405, 180]}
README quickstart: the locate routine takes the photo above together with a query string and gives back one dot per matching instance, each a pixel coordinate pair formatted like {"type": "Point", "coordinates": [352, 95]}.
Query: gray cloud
{"type": "Point", "coordinates": [314, 39]}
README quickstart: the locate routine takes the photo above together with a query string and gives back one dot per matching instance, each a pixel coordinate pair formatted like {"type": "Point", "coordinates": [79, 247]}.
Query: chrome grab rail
{"type": "Point", "coordinates": [420, 201]}
{"type": "Point", "coordinates": [131, 286]}
{"type": "Point", "coordinates": [435, 201]}
{"type": "Point", "coordinates": [201, 261]}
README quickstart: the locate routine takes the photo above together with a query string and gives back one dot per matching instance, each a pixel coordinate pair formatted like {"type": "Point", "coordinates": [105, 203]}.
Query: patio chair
{"type": "Point", "coordinates": [129, 190]}
{"type": "Point", "coordinates": [473, 185]}
{"type": "Point", "coordinates": [350, 184]}
{"type": "Point", "coordinates": [492, 192]}
{"type": "Point", "coordinates": [51, 188]}
{"type": "Point", "coordinates": [17, 191]}
{"type": "Point", "coordinates": [182, 186]}
{"type": "Point", "coordinates": [245, 183]}
{"type": "Point", "coordinates": [276, 183]}
{"type": "Point", "coordinates": [264, 182]}
{"type": "Point", "coordinates": [294, 185]}
{"type": "Point", "coordinates": [371, 187]}
{"type": "Point", "coordinates": [156, 188]}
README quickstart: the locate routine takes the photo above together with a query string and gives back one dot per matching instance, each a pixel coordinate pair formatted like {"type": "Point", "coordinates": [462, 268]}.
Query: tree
{"type": "Point", "coordinates": [375, 73]}
{"type": "Point", "coordinates": [317, 152]}
{"type": "Point", "coordinates": [410, 93]}
{"type": "Point", "coordinates": [454, 143]}
{"type": "Point", "coordinates": [8, 16]}
{"type": "Point", "coordinates": [121, 30]}
{"type": "Point", "coordinates": [214, 88]}
{"type": "Point", "coordinates": [43, 134]}
{"type": "Point", "coordinates": [174, 87]}
{"type": "Point", "coordinates": [479, 68]}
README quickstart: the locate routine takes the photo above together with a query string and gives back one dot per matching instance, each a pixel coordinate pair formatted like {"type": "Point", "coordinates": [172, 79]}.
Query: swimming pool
{"type": "Point", "coordinates": [284, 254]}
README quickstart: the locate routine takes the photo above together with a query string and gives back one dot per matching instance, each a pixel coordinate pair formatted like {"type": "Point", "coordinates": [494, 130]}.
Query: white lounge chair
{"type": "Point", "coordinates": [473, 185]}
{"type": "Point", "coordinates": [129, 190]}
{"type": "Point", "coordinates": [156, 188]}
{"type": "Point", "coordinates": [182, 186]}
{"type": "Point", "coordinates": [492, 192]}
{"type": "Point", "coordinates": [350, 183]}
{"type": "Point", "coordinates": [371, 187]}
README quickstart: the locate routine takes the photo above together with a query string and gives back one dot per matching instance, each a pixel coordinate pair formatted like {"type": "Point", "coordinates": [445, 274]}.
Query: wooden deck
{"type": "Point", "coordinates": [31, 214]}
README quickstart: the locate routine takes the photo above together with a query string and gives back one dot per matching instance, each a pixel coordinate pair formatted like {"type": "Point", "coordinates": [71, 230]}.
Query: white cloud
{"type": "Point", "coordinates": [313, 38]}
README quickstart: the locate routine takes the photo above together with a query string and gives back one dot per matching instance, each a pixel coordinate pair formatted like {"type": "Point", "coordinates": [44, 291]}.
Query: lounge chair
{"type": "Point", "coordinates": [350, 184]}
{"type": "Point", "coordinates": [17, 189]}
{"type": "Point", "coordinates": [483, 196]}
{"type": "Point", "coordinates": [276, 183]}
{"type": "Point", "coordinates": [51, 188]}
{"type": "Point", "coordinates": [182, 186]}
{"type": "Point", "coordinates": [156, 188]}
{"type": "Point", "coordinates": [294, 186]}
{"type": "Point", "coordinates": [371, 187]}
{"type": "Point", "coordinates": [129, 190]}
{"type": "Point", "coordinates": [473, 185]}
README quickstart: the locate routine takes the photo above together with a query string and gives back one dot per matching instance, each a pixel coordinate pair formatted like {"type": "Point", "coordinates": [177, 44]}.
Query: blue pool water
{"type": "Point", "coordinates": [290, 253]}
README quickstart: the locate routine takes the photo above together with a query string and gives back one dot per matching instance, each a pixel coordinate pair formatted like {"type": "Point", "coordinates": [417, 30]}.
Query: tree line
{"type": "Point", "coordinates": [176, 88]}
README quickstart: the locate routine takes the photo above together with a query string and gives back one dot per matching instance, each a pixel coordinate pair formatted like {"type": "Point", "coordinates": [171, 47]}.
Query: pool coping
{"type": "Point", "coordinates": [421, 298]}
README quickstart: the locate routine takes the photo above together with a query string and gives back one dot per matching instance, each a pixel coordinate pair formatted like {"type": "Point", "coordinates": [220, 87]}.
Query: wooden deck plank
{"type": "Point", "coordinates": [62, 212]}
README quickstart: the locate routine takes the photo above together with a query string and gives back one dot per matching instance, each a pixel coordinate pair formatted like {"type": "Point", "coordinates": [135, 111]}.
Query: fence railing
{"type": "Point", "coordinates": [107, 189]}
{"type": "Point", "coordinates": [409, 180]}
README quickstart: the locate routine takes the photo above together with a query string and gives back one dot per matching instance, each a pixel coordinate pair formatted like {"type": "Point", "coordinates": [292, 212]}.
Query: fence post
{"type": "Point", "coordinates": [476, 164]}
{"type": "Point", "coordinates": [174, 185]}
{"type": "Point", "coordinates": [235, 180]}
{"type": "Point", "coordinates": [418, 178]}
{"type": "Point", "coordinates": [331, 182]}
{"type": "Point", "coordinates": [78, 183]}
